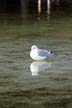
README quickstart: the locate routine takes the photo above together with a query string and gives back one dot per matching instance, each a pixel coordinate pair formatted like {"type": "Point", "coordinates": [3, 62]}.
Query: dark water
{"type": "Point", "coordinates": [25, 83]}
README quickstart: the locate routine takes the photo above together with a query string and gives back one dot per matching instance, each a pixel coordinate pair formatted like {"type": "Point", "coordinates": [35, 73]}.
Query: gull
{"type": "Point", "coordinates": [39, 54]}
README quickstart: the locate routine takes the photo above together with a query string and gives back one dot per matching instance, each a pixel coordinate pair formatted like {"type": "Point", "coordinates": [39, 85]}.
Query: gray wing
{"type": "Point", "coordinates": [43, 53]}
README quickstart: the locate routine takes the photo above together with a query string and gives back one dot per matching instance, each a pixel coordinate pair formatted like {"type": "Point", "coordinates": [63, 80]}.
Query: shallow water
{"type": "Point", "coordinates": [25, 83]}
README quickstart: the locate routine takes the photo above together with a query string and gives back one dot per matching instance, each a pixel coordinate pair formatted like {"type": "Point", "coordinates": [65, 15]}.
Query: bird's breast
{"type": "Point", "coordinates": [33, 54]}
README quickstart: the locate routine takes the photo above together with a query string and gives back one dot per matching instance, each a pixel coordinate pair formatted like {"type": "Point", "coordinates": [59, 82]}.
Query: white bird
{"type": "Point", "coordinates": [39, 54]}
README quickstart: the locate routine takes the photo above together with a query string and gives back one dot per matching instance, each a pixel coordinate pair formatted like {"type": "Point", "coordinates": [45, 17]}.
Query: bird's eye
{"type": "Point", "coordinates": [34, 48]}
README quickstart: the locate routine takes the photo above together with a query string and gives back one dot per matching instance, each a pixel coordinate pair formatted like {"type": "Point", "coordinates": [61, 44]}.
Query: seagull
{"type": "Point", "coordinates": [39, 54]}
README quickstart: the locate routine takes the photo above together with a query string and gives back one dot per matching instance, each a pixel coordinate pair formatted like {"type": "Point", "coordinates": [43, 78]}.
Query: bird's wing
{"type": "Point", "coordinates": [43, 53]}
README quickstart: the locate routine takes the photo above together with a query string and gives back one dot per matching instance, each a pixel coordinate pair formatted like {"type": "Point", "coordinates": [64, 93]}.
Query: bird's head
{"type": "Point", "coordinates": [34, 47]}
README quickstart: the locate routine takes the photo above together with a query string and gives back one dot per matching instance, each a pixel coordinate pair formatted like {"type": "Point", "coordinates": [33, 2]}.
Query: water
{"type": "Point", "coordinates": [25, 83]}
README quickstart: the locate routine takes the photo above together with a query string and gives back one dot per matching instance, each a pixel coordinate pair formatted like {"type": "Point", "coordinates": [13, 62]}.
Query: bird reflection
{"type": "Point", "coordinates": [39, 66]}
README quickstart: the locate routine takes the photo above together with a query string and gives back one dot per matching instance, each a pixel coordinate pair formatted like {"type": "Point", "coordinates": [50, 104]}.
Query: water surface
{"type": "Point", "coordinates": [49, 85]}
